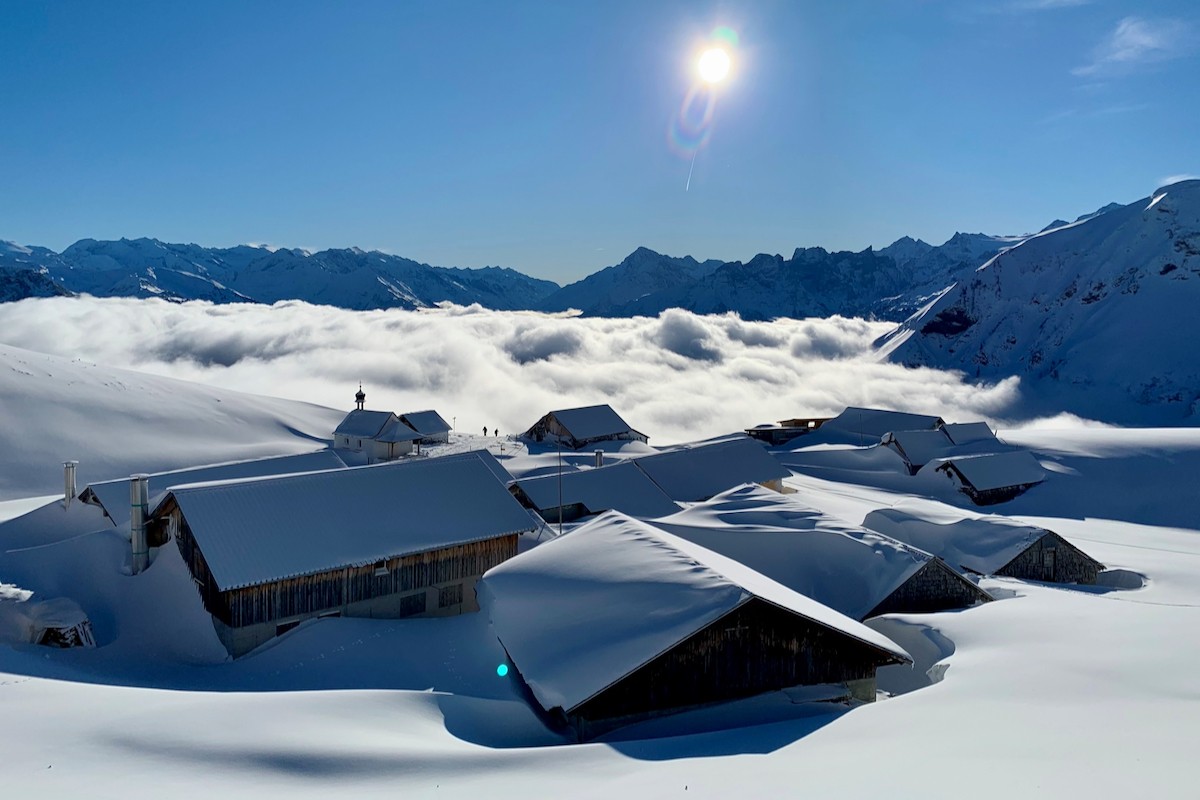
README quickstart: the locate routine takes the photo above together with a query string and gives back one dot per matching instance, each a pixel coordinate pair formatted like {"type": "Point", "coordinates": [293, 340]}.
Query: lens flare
{"type": "Point", "coordinates": [714, 65]}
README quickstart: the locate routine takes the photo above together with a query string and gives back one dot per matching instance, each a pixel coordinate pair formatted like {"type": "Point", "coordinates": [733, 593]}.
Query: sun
{"type": "Point", "coordinates": [714, 65]}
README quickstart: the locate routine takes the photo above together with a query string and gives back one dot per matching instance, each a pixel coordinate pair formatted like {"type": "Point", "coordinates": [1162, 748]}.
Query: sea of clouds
{"type": "Point", "coordinates": [676, 377]}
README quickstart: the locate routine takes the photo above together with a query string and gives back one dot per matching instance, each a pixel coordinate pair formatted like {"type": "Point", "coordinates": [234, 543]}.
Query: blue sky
{"type": "Point", "coordinates": [536, 134]}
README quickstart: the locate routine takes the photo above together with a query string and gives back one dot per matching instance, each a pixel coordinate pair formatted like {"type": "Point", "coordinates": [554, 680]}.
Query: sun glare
{"type": "Point", "coordinates": [714, 65]}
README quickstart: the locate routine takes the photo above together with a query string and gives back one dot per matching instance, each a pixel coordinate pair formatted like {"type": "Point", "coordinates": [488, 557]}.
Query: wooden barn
{"type": "Point", "coordinates": [694, 472]}
{"type": "Point", "coordinates": [429, 424]}
{"type": "Point", "coordinates": [973, 433]}
{"type": "Point", "coordinates": [391, 540]}
{"type": "Point", "coordinates": [617, 487]}
{"type": "Point", "coordinates": [918, 448]}
{"type": "Point", "coordinates": [857, 572]}
{"type": "Point", "coordinates": [990, 546]}
{"type": "Point", "coordinates": [992, 478]}
{"type": "Point", "coordinates": [785, 430]}
{"type": "Point", "coordinates": [112, 497]}
{"type": "Point", "coordinates": [579, 427]}
{"type": "Point", "coordinates": [691, 628]}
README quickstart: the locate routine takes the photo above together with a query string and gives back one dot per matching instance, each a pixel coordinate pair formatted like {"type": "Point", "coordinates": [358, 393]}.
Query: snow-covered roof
{"type": "Point", "coordinates": [846, 567]}
{"type": "Point", "coordinates": [554, 611]}
{"type": "Point", "coordinates": [877, 421]}
{"type": "Point", "coordinates": [968, 432]}
{"type": "Point", "coordinates": [396, 431]}
{"type": "Point", "coordinates": [490, 461]}
{"type": "Point", "coordinates": [998, 470]}
{"type": "Point", "coordinates": [364, 424]}
{"type": "Point", "coordinates": [622, 487]}
{"type": "Point", "coordinates": [981, 545]}
{"type": "Point", "coordinates": [261, 530]}
{"type": "Point", "coordinates": [920, 447]}
{"type": "Point", "coordinates": [590, 422]}
{"type": "Point", "coordinates": [699, 471]}
{"type": "Point", "coordinates": [426, 423]}
{"type": "Point", "coordinates": [113, 496]}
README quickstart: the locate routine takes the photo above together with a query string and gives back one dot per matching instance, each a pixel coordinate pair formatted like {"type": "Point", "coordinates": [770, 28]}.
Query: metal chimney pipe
{"type": "Point", "coordinates": [139, 499]}
{"type": "Point", "coordinates": [599, 458]}
{"type": "Point", "coordinates": [69, 482]}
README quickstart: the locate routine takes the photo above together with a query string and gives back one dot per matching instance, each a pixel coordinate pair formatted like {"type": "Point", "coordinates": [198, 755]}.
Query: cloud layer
{"type": "Point", "coordinates": [677, 377]}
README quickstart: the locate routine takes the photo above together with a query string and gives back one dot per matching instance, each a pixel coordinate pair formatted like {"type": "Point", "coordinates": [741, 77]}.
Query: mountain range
{"type": "Point", "coordinates": [885, 284]}
{"type": "Point", "coordinates": [1104, 308]}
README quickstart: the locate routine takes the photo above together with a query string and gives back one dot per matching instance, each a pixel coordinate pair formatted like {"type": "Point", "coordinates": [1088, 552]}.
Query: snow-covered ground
{"type": "Point", "coordinates": [1052, 691]}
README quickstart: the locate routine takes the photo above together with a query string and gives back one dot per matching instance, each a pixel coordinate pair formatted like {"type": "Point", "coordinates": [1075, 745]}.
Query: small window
{"type": "Point", "coordinates": [450, 596]}
{"type": "Point", "coordinates": [413, 604]}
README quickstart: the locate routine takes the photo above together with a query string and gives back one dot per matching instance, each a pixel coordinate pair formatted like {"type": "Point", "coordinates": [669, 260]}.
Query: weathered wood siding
{"type": "Point", "coordinates": [934, 587]}
{"type": "Point", "coordinates": [549, 427]}
{"type": "Point", "coordinates": [757, 647]}
{"type": "Point", "coordinates": [334, 589]}
{"type": "Point", "coordinates": [1054, 559]}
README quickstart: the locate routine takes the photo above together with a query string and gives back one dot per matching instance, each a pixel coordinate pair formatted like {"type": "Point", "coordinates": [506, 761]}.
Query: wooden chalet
{"type": "Point", "coordinates": [990, 546]}
{"type": "Point", "coordinates": [429, 424]}
{"type": "Point", "coordinates": [579, 427]}
{"type": "Point", "coordinates": [992, 478]}
{"type": "Point", "coordinates": [692, 628]}
{"type": "Point", "coordinates": [918, 448]}
{"type": "Point", "coordinates": [391, 540]}
{"type": "Point", "coordinates": [857, 572]}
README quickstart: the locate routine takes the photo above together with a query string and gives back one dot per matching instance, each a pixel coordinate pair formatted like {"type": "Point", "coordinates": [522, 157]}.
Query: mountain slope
{"type": "Point", "coordinates": [115, 422]}
{"type": "Point", "coordinates": [1105, 305]}
{"type": "Point", "coordinates": [611, 290]}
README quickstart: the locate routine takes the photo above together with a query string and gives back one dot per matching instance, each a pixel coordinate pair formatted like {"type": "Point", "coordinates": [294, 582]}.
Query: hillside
{"type": "Point", "coordinates": [116, 421]}
{"type": "Point", "coordinates": [1099, 313]}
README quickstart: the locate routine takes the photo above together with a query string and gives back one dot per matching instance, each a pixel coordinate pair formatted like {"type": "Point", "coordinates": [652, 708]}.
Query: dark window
{"type": "Point", "coordinates": [285, 627]}
{"type": "Point", "coordinates": [450, 596]}
{"type": "Point", "coordinates": [413, 604]}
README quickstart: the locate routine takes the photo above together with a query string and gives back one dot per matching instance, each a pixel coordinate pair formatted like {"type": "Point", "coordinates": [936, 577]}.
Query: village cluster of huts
{"type": "Point", "coordinates": [969, 455]}
{"type": "Point", "coordinates": [688, 577]}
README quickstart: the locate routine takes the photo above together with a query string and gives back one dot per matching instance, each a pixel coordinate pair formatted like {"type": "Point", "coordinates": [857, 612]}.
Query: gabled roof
{"type": "Point", "coordinates": [396, 431]}
{"type": "Point", "coordinates": [591, 422]}
{"type": "Point", "coordinates": [968, 432]}
{"type": "Point", "coordinates": [998, 470]}
{"type": "Point", "coordinates": [698, 471]}
{"type": "Point", "coordinates": [920, 447]}
{"type": "Point", "coordinates": [553, 610]}
{"type": "Point", "coordinates": [490, 461]}
{"type": "Point", "coordinates": [621, 487]}
{"type": "Point", "coordinates": [426, 423]}
{"type": "Point", "coordinates": [846, 567]}
{"type": "Point", "coordinates": [875, 422]}
{"type": "Point", "coordinates": [113, 496]}
{"type": "Point", "coordinates": [261, 530]}
{"type": "Point", "coordinates": [364, 424]}
{"type": "Point", "coordinates": [982, 545]}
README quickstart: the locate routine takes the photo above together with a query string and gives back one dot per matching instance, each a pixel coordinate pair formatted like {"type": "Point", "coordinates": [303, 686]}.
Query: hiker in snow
{"type": "Point", "coordinates": [485, 430]}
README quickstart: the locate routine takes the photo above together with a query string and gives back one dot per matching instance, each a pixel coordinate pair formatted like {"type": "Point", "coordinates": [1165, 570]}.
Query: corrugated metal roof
{"type": "Point", "coordinates": [591, 422]}
{"type": "Point", "coordinates": [364, 424]}
{"type": "Point", "coordinates": [552, 606]}
{"type": "Point", "coordinates": [426, 423]}
{"type": "Point", "coordinates": [257, 531]}
{"type": "Point", "coordinates": [621, 487]}
{"type": "Point", "coordinates": [999, 470]}
{"type": "Point", "coordinates": [113, 496]}
{"type": "Point", "coordinates": [699, 471]}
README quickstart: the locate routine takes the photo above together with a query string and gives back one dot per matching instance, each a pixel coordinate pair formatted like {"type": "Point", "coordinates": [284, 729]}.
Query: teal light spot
{"type": "Point", "coordinates": [502, 670]}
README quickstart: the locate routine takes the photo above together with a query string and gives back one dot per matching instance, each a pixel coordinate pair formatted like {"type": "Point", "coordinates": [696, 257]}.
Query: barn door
{"type": "Point", "coordinates": [1049, 563]}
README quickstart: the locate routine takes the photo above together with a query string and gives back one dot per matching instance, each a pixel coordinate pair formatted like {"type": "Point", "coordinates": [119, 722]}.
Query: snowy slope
{"type": "Point", "coordinates": [1101, 313]}
{"type": "Point", "coordinates": [115, 422]}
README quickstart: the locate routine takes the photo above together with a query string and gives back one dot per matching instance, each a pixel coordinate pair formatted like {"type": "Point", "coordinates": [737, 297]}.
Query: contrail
{"type": "Point", "coordinates": [693, 166]}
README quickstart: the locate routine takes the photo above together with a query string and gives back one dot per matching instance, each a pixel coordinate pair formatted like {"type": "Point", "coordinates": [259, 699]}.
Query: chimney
{"type": "Point", "coordinates": [139, 499]}
{"type": "Point", "coordinates": [599, 458]}
{"type": "Point", "coordinates": [69, 482]}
